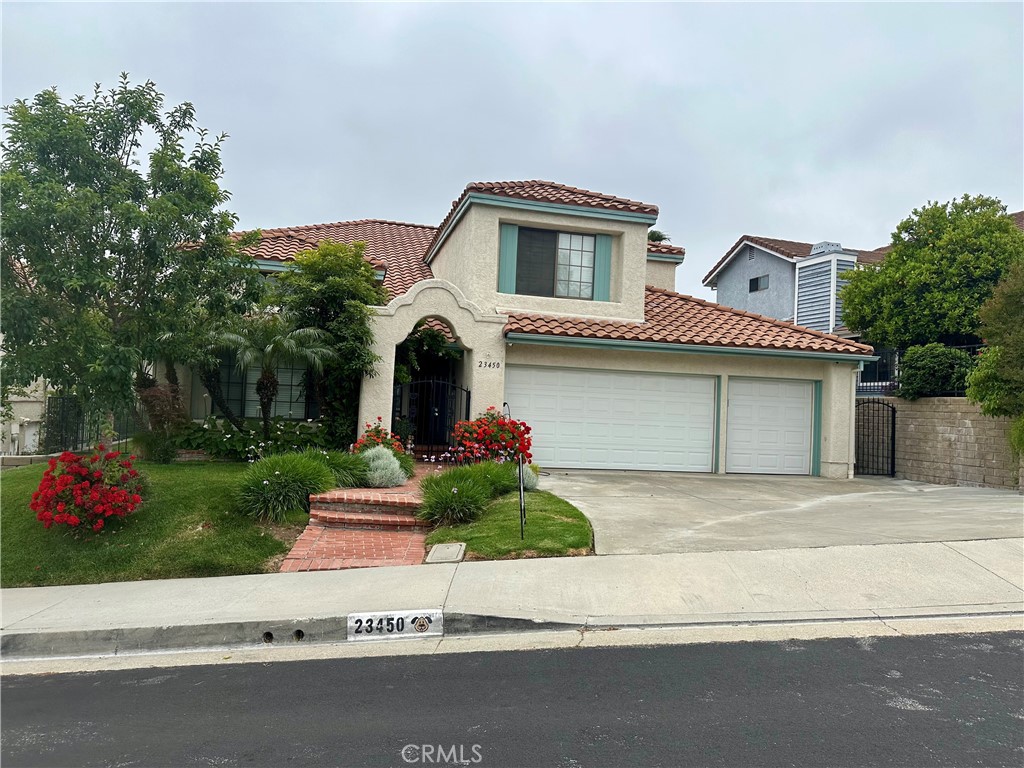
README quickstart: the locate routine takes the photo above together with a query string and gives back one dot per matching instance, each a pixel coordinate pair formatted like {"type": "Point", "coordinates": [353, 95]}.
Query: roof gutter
{"type": "Point", "coordinates": [696, 349]}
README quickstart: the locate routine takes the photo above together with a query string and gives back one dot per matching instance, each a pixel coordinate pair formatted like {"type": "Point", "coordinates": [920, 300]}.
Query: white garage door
{"type": "Point", "coordinates": [769, 427]}
{"type": "Point", "coordinates": [615, 420]}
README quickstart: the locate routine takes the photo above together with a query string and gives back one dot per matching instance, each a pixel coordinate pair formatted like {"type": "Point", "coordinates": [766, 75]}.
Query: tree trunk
{"type": "Point", "coordinates": [266, 390]}
{"type": "Point", "coordinates": [211, 380]}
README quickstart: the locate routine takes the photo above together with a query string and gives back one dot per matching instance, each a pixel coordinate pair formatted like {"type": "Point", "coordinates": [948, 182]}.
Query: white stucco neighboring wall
{"type": "Point", "coordinates": [838, 385]}
{"type": "Point", "coordinates": [468, 259]}
{"type": "Point", "coordinates": [23, 432]}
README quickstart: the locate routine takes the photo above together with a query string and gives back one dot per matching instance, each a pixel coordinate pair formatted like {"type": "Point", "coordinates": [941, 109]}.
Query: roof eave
{"type": "Point", "coordinates": [515, 337]}
{"type": "Point", "coordinates": [710, 276]}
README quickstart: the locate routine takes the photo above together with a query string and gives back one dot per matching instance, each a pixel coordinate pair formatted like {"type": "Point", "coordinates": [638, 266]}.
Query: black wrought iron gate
{"type": "Point", "coordinates": [427, 411]}
{"type": "Point", "coordinates": [875, 437]}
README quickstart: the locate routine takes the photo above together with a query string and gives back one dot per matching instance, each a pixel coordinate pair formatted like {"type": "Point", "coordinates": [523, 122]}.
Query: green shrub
{"type": "Point", "coordinates": [932, 369]}
{"type": "Point", "coordinates": [382, 468]}
{"type": "Point", "coordinates": [502, 478]}
{"type": "Point", "coordinates": [156, 446]}
{"type": "Point", "coordinates": [348, 468]}
{"type": "Point", "coordinates": [406, 462]}
{"type": "Point", "coordinates": [453, 497]}
{"type": "Point", "coordinates": [221, 440]}
{"type": "Point", "coordinates": [279, 484]}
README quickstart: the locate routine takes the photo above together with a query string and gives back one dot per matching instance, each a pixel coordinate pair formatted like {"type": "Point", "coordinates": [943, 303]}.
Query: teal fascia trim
{"type": "Point", "coordinates": [665, 257]}
{"type": "Point", "coordinates": [274, 266]}
{"type": "Point", "coordinates": [532, 205]}
{"type": "Point", "coordinates": [718, 423]}
{"type": "Point", "coordinates": [816, 432]}
{"type": "Point", "coordinates": [602, 268]}
{"type": "Point", "coordinates": [657, 346]}
{"type": "Point", "coordinates": [378, 274]}
{"type": "Point", "coordinates": [508, 253]}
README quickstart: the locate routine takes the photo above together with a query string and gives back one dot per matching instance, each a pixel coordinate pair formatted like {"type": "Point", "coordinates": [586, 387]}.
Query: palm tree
{"type": "Point", "coordinates": [657, 236]}
{"type": "Point", "coordinates": [269, 339]}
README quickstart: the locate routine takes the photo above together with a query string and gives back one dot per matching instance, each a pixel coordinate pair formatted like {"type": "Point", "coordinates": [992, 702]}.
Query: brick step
{"type": "Point", "coordinates": [359, 517]}
{"type": "Point", "coordinates": [366, 507]}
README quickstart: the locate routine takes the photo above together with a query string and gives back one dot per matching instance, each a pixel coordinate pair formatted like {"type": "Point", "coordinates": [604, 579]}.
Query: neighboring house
{"type": "Point", "coordinates": [787, 279]}
{"type": "Point", "coordinates": [792, 280]}
{"type": "Point", "coordinates": [566, 312]}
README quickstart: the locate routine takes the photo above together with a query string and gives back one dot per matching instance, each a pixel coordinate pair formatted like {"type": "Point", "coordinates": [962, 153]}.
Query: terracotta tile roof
{"type": "Point", "coordinates": [672, 318]}
{"type": "Point", "coordinates": [666, 248]}
{"type": "Point", "coordinates": [391, 245]}
{"type": "Point", "coordinates": [547, 192]}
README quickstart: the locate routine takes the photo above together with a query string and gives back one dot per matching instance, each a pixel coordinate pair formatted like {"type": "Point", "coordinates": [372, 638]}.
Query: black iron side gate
{"type": "Point", "coordinates": [875, 437]}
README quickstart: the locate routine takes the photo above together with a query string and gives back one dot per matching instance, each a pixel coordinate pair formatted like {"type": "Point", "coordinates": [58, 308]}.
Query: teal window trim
{"type": "Point", "coordinates": [816, 431]}
{"type": "Point", "coordinates": [718, 424]}
{"type": "Point", "coordinates": [508, 250]}
{"type": "Point", "coordinates": [659, 346]}
{"type": "Point", "coordinates": [603, 268]}
{"type": "Point", "coordinates": [531, 205]}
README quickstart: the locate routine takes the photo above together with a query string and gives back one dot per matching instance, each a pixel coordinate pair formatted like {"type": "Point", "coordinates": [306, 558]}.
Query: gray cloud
{"type": "Point", "coordinates": [806, 121]}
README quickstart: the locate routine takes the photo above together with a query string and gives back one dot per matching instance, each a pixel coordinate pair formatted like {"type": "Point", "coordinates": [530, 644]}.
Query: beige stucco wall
{"type": "Point", "coordinates": [478, 332]}
{"type": "Point", "coordinates": [661, 274]}
{"type": "Point", "coordinates": [838, 385]}
{"type": "Point", "coordinates": [469, 260]}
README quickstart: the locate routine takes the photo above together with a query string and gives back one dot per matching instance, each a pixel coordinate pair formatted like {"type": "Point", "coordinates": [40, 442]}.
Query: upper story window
{"type": "Point", "coordinates": [557, 264]}
{"type": "Point", "coordinates": [758, 284]}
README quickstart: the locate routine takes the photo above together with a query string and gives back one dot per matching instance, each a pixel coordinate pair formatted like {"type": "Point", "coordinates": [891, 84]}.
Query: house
{"type": "Point", "coordinates": [792, 280]}
{"type": "Point", "coordinates": [787, 279]}
{"type": "Point", "coordinates": [564, 311]}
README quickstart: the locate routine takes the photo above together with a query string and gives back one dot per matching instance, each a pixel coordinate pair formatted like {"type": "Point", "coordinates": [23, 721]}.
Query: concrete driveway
{"type": "Point", "coordinates": [661, 512]}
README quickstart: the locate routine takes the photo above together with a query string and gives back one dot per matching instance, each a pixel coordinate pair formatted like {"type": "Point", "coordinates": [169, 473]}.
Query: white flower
{"type": "Point", "coordinates": [455, 490]}
{"type": "Point", "coordinates": [266, 482]}
{"type": "Point", "coordinates": [206, 426]}
{"type": "Point", "coordinates": [277, 473]}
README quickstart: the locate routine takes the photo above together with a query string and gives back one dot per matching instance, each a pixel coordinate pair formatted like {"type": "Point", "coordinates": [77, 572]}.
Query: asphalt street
{"type": "Point", "coordinates": [953, 700]}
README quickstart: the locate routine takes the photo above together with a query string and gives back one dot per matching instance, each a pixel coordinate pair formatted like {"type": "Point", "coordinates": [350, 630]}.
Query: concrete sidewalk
{"type": "Point", "coordinates": [698, 589]}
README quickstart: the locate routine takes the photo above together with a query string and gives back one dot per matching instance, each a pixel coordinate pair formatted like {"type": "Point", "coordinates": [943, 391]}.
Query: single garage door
{"type": "Point", "coordinates": [769, 427]}
{"type": "Point", "coordinates": [585, 419]}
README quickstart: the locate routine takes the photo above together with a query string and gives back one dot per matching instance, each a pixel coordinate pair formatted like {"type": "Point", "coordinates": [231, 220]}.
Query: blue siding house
{"type": "Point", "coordinates": [788, 280]}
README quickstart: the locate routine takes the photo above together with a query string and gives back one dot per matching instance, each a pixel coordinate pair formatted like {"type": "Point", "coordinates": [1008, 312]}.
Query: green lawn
{"type": "Point", "coordinates": [186, 527]}
{"type": "Point", "coordinates": [554, 528]}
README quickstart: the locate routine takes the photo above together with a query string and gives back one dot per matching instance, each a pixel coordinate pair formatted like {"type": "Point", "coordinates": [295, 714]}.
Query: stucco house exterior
{"type": "Point", "coordinates": [564, 311]}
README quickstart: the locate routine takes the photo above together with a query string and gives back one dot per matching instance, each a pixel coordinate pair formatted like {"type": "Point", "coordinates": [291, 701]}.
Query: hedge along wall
{"type": "Point", "coordinates": [947, 440]}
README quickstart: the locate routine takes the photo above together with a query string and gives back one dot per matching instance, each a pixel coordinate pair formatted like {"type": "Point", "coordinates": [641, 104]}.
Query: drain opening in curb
{"type": "Point", "coordinates": [298, 634]}
{"type": "Point", "coordinates": [268, 637]}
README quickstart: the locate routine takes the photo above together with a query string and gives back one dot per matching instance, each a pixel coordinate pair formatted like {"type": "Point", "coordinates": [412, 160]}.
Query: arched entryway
{"type": "Point", "coordinates": [430, 387]}
{"type": "Point", "coordinates": [479, 369]}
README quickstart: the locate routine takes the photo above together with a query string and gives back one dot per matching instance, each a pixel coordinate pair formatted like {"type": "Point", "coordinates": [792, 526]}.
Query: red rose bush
{"type": "Point", "coordinates": [87, 491]}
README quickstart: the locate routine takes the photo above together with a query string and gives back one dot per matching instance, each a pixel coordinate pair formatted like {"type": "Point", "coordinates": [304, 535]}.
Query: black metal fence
{"type": "Point", "coordinates": [875, 436]}
{"type": "Point", "coordinates": [70, 425]}
{"type": "Point", "coordinates": [881, 377]}
{"type": "Point", "coordinates": [426, 411]}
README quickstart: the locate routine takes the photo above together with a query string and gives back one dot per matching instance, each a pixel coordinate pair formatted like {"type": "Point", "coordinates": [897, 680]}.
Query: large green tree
{"type": "Point", "coordinates": [945, 260]}
{"type": "Point", "coordinates": [998, 381]}
{"type": "Point", "coordinates": [332, 288]}
{"type": "Point", "coordinates": [114, 232]}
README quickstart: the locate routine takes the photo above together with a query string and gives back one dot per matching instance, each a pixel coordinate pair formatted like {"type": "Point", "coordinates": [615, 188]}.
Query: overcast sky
{"type": "Point", "coordinates": [801, 121]}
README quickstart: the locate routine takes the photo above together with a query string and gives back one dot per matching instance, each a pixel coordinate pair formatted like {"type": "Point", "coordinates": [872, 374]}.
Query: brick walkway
{"type": "Point", "coordinates": [361, 528]}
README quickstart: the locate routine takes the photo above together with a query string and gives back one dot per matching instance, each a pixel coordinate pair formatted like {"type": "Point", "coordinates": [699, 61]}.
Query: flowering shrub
{"type": "Point", "coordinates": [492, 436]}
{"type": "Point", "coordinates": [86, 491]}
{"type": "Point", "coordinates": [376, 434]}
{"type": "Point", "coordinates": [221, 440]}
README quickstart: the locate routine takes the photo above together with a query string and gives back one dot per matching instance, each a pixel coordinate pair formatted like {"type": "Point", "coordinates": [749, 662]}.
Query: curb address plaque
{"type": "Point", "coordinates": [395, 624]}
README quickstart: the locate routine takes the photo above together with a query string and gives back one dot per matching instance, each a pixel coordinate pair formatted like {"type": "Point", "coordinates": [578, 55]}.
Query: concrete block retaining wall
{"type": "Point", "coordinates": [947, 440]}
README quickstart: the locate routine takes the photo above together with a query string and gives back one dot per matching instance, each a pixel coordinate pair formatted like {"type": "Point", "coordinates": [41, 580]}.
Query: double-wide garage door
{"type": "Point", "coordinates": [592, 419]}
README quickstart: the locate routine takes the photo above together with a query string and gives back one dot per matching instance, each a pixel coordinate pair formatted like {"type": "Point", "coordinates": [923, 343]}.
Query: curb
{"type": "Point", "coordinates": [28, 645]}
